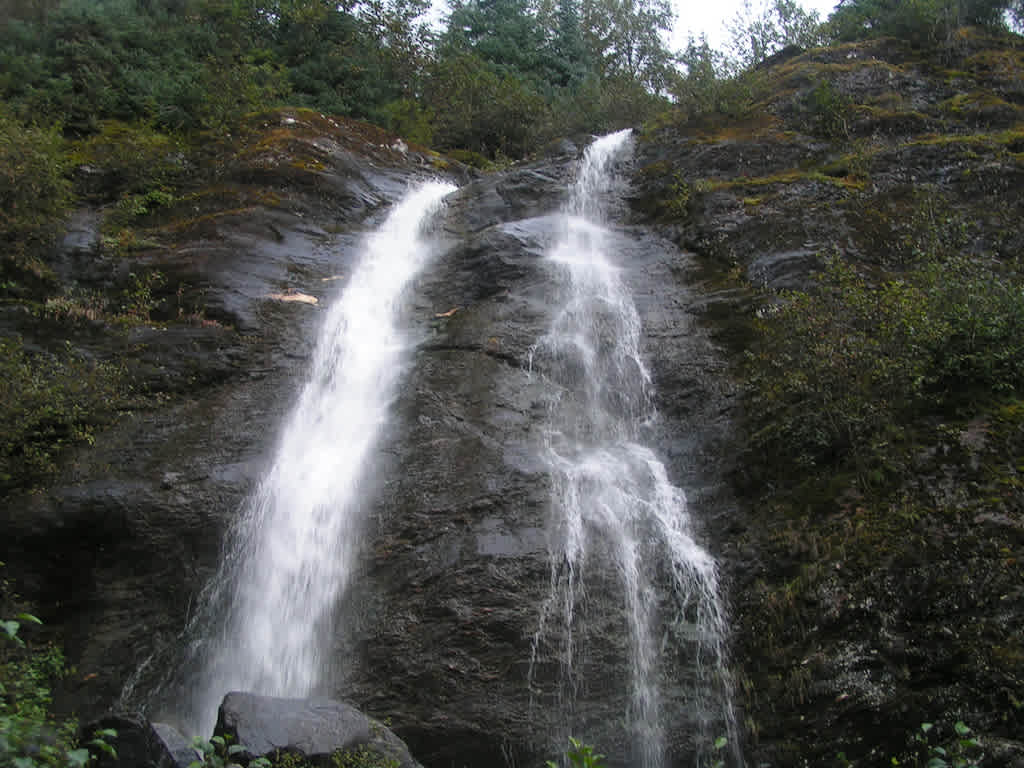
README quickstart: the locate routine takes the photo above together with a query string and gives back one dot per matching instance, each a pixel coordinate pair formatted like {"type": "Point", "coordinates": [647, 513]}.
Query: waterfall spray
{"type": "Point", "coordinates": [612, 500]}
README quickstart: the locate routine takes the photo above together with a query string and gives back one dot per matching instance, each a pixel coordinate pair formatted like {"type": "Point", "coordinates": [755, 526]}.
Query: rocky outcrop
{"type": "Point", "coordinates": [461, 529]}
{"type": "Point", "coordinates": [311, 732]}
{"type": "Point", "coordinates": [437, 632]}
{"type": "Point", "coordinates": [315, 729]}
{"type": "Point", "coordinates": [138, 743]}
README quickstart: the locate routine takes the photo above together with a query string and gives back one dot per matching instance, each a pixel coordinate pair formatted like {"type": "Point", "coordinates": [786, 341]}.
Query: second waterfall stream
{"type": "Point", "coordinates": [624, 607]}
{"type": "Point", "coordinates": [623, 558]}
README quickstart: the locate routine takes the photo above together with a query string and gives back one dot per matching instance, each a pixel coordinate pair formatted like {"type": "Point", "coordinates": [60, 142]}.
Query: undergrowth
{"type": "Point", "coordinates": [49, 403]}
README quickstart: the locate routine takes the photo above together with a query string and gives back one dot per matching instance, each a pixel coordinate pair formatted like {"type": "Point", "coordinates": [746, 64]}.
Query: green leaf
{"type": "Point", "coordinates": [10, 627]}
{"type": "Point", "coordinates": [78, 757]}
{"type": "Point", "coordinates": [23, 762]}
{"type": "Point", "coordinates": [927, 726]}
{"type": "Point", "coordinates": [720, 742]}
{"type": "Point", "coordinates": [234, 749]}
{"type": "Point", "coordinates": [104, 747]}
{"type": "Point", "coordinates": [29, 618]}
{"type": "Point", "coordinates": [961, 728]}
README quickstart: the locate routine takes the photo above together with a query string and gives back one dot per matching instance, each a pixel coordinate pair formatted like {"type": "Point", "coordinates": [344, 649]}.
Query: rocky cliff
{"type": "Point", "coordinates": [854, 619]}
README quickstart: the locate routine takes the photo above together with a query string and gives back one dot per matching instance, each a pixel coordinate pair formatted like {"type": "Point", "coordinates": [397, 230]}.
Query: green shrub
{"type": "Point", "coordinates": [362, 757]}
{"type": "Point", "coordinates": [135, 156]}
{"type": "Point", "coordinates": [841, 372]}
{"type": "Point", "coordinates": [34, 195]}
{"type": "Point", "coordinates": [29, 735]}
{"type": "Point", "coordinates": [408, 119]}
{"type": "Point", "coordinates": [48, 403]}
{"type": "Point", "coordinates": [580, 755]}
{"type": "Point", "coordinates": [827, 112]}
{"type": "Point", "coordinates": [919, 21]}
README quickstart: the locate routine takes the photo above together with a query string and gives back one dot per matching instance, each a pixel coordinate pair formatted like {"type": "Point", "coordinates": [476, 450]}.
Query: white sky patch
{"type": "Point", "coordinates": [710, 17]}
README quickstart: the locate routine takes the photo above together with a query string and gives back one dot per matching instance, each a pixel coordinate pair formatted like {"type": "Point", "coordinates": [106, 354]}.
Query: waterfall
{"type": "Point", "coordinates": [613, 508]}
{"type": "Point", "coordinates": [290, 555]}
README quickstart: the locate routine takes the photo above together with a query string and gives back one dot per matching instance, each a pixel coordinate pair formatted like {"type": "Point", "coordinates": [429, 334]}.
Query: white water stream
{"type": "Point", "coordinates": [612, 503]}
{"type": "Point", "coordinates": [292, 551]}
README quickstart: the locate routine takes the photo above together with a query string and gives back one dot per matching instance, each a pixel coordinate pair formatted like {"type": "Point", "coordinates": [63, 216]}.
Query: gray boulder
{"type": "Point", "coordinates": [316, 728]}
{"type": "Point", "coordinates": [139, 743]}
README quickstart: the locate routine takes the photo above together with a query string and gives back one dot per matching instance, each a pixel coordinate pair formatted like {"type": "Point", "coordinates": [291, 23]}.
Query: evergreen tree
{"type": "Point", "coordinates": [626, 38]}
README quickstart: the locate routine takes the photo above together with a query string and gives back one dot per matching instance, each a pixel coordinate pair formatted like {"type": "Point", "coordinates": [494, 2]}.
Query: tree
{"type": "Point", "coordinates": [626, 38]}
{"type": "Point", "coordinates": [920, 21]}
{"type": "Point", "coordinates": [508, 35]}
{"type": "Point", "coordinates": [479, 110]}
{"type": "Point", "coordinates": [756, 35]}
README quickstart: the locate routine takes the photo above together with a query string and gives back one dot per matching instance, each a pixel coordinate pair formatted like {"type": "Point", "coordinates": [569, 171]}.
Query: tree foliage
{"type": "Point", "coordinates": [920, 21]}
{"type": "Point", "coordinates": [502, 77]}
{"type": "Point", "coordinates": [755, 34]}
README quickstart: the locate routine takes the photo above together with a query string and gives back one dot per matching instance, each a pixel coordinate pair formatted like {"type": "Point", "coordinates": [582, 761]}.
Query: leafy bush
{"type": "Point", "coordinates": [408, 119]}
{"type": "Point", "coordinates": [48, 403]}
{"type": "Point", "coordinates": [710, 84]}
{"type": "Point", "coordinates": [840, 372]}
{"type": "Point", "coordinates": [135, 156]}
{"type": "Point", "coordinates": [827, 111]}
{"type": "Point", "coordinates": [29, 736]}
{"type": "Point", "coordinates": [34, 195]}
{"type": "Point", "coordinates": [219, 752]}
{"type": "Point", "coordinates": [919, 21]}
{"type": "Point", "coordinates": [580, 755]}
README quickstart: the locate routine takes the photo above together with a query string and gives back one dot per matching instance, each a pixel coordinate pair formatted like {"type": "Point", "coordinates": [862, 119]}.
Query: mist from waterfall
{"type": "Point", "coordinates": [266, 620]}
{"type": "Point", "coordinates": [613, 506]}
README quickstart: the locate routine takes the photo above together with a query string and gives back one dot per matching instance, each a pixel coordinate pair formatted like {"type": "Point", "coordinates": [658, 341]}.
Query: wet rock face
{"type": "Point", "coordinates": [442, 624]}
{"type": "Point", "coordinates": [445, 612]}
{"type": "Point", "coordinates": [437, 632]}
{"type": "Point", "coordinates": [116, 552]}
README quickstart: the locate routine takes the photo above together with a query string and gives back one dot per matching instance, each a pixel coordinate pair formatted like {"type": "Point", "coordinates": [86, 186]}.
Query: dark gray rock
{"type": "Point", "coordinates": [176, 745]}
{"type": "Point", "coordinates": [316, 728]}
{"type": "Point", "coordinates": [139, 743]}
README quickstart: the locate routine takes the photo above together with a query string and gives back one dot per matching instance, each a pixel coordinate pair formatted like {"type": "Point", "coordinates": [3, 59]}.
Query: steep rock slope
{"type": "Point", "coordinates": [864, 605]}
{"type": "Point", "coordinates": [117, 548]}
{"type": "Point", "coordinates": [443, 621]}
{"type": "Point", "coordinates": [436, 634]}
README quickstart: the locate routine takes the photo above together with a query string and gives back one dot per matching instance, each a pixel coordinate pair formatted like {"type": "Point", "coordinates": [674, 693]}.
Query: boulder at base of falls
{"type": "Point", "coordinates": [316, 728]}
{"type": "Point", "coordinates": [138, 743]}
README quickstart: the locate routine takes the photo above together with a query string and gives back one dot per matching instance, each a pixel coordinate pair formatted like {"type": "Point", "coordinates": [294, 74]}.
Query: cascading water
{"type": "Point", "coordinates": [612, 503]}
{"type": "Point", "coordinates": [291, 553]}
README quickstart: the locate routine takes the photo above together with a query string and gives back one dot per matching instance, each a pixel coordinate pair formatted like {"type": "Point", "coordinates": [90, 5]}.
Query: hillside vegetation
{"type": "Point", "coordinates": [856, 212]}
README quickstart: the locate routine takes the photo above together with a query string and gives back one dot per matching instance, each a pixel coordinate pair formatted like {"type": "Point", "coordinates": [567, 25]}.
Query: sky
{"type": "Point", "coordinates": [710, 16]}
